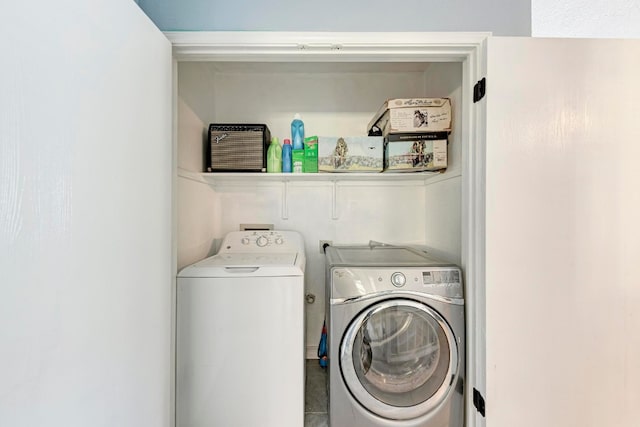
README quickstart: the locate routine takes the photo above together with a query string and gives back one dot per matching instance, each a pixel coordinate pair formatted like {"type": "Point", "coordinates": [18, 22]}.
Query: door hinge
{"type": "Point", "coordinates": [479, 89]}
{"type": "Point", "coordinates": [478, 401]}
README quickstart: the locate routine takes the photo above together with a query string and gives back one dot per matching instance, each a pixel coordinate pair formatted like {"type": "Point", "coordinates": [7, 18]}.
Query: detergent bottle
{"type": "Point", "coordinates": [274, 156]}
{"type": "Point", "coordinates": [297, 132]}
{"type": "Point", "coordinates": [287, 156]}
{"type": "Point", "coordinates": [322, 346]}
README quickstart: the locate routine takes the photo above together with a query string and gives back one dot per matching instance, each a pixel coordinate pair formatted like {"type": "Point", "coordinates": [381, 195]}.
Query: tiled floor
{"type": "Point", "coordinates": [315, 401]}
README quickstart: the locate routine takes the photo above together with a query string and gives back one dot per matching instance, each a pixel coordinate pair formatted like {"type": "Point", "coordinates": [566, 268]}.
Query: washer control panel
{"type": "Point", "coordinates": [262, 239]}
{"type": "Point", "coordinates": [256, 241]}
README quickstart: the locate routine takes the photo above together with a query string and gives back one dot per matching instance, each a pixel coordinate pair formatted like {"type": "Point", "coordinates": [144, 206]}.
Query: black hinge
{"type": "Point", "coordinates": [479, 89]}
{"type": "Point", "coordinates": [478, 401]}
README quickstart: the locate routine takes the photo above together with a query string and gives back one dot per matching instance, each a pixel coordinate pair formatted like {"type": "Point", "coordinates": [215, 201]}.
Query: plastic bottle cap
{"type": "Point", "coordinates": [287, 141]}
{"type": "Point", "coordinates": [296, 116]}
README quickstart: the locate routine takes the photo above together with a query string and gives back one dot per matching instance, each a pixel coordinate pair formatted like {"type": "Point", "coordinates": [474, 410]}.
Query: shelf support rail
{"type": "Point", "coordinates": [285, 200]}
{"type": "Point", "coordinates": [334, 201]}
{"type": "Point", "coordinates": [285, 195]}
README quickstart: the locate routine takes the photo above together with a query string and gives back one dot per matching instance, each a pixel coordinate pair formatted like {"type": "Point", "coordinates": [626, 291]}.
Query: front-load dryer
{"type": "Point", "coordinates": [396, 338]}
{"type": "Point", "coordinates": [240, 334]}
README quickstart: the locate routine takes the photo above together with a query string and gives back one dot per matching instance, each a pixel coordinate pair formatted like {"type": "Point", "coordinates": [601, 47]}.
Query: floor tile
{"type": "Point", "coordinates": [316, 420]}
{"type": "Point", "coordinates": [315, 405]}
{"type": "Point", "coordinates": [315, 388]}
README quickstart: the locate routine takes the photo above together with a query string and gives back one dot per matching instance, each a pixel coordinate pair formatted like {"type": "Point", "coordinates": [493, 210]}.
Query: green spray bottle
{"type": "Point", "coordinates": [274, 156]}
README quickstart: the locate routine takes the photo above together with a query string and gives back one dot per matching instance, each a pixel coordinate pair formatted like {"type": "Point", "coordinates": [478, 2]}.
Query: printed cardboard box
{"type": "Point", "coordinates": [350, 153]}
{"type": "Point", "coordinates": [415, 152]}
{"type": "Point", "coordinates": [412, 115]}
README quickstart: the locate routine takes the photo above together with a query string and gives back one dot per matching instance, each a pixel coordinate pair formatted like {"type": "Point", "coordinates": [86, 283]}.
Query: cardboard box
{"type": "Point", "coordinates": [310, 155]}
{"type": "Point", "coordinates": [350, 153]}
{"type": "Point", "coordinates": [412, 115]}
{"type": "Point", "coordinates": [415, 152]}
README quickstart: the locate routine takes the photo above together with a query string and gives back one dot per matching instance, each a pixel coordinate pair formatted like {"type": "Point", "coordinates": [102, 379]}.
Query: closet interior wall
{"type": "Point", "coordinates": [334, 99]}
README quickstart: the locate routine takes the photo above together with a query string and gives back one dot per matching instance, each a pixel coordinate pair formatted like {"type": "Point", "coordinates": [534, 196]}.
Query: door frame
{"type": "Point", "coordinates": [467, 48]}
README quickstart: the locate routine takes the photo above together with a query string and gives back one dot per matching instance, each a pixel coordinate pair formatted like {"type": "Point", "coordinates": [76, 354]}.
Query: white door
{"type": "Point", "coordinates": [562, 233]}
{"type": "Point", "coordinates": [85, 215]}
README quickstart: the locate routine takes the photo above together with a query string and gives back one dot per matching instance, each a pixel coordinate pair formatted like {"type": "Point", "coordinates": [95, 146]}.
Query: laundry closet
{"type": "Point", "coordinates": [472, 214]}
{"type": "Point", "coordinates": [337, 90]}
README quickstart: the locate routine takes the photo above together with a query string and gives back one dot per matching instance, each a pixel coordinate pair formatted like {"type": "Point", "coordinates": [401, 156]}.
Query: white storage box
{"type": "Point", "coordinates": [415, 152]}
{"type": "Point", "coordinates": [412, 115]}
{"type": "Point", "coordinates": [350, 153]}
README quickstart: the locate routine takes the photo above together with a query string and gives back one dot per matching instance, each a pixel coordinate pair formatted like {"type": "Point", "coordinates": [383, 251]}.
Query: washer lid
{"type": "Point", "coordinates": [245, 265]}
{"type": "Point", "coordinates": [378, 256]}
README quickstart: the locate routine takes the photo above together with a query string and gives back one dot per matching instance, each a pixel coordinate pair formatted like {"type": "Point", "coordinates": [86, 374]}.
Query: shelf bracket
{"type": "Point", "coordinates": [334, 201]}
{"type": "Point", "coordinates": [285, 195]}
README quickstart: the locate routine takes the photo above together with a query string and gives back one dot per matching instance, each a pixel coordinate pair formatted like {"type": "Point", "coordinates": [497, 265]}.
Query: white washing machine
{"type": "Point", "coordinates": [396, 338]}
{"type": "Point", "coordinates": [240, 334]}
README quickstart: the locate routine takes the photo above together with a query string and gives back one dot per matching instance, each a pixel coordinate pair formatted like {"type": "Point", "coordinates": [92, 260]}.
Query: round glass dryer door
{"type": "Point", "coordinates": [398, 357]}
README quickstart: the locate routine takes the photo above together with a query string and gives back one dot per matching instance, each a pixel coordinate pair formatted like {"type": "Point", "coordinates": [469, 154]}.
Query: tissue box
{"type": "Point", "coordinates": [412, 115]}
{"type": "Point", "coordinates": [415, 152]}
{"type": "Point", "coordinates": [350, 153]}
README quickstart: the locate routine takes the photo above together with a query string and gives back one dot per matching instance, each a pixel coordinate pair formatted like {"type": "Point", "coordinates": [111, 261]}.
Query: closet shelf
{"type": "Point", "coordinates": [215, 178]}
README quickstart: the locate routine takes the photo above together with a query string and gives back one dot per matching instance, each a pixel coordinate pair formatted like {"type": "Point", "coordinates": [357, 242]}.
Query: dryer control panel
{"type": "Point", "coordinates": [351, 282]}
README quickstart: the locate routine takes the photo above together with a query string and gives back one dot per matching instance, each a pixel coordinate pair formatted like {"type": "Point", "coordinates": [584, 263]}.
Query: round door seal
{"type": "Point", "coordinates": [371, 402]}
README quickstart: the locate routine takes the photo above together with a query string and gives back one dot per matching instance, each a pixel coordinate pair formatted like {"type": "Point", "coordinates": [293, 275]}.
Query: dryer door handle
{"type": "Point", "coordinates": [241, 270]}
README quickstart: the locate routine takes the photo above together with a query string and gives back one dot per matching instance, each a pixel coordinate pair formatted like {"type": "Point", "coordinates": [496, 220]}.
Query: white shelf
{"type": "Point", "coordinates": [257, 177]}
{"type": "Point", "coordinates": [335, 180]}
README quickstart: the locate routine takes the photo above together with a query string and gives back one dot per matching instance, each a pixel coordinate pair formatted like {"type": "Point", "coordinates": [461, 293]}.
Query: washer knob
{"type": "Point", "coordinates": [279, 241]}
{"type": "Point", "coordinates": [398, 280]}
{"type": "Point", "coordinates": [262, 241]}
{"type": "Point", "coordinates": [245, 241]}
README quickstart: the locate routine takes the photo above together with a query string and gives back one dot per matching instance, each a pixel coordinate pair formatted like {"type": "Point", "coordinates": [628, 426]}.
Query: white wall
{"type": "Point", "coordinates": [585, 18]}
{"type": "Point", "coordinates": [502, 17]}
{"type": "Point", "coordinates": [85, 256]}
